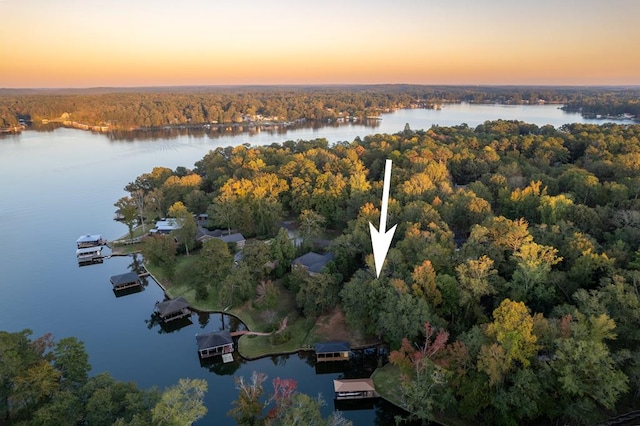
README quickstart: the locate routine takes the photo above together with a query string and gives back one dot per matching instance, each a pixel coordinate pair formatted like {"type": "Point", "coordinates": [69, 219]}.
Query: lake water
{"type": "Point", "coordinates": [62, 184]}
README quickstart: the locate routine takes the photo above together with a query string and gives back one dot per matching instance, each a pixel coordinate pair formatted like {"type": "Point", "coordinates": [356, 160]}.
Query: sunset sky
{"type": "Point", "coordinates": [89, 43]}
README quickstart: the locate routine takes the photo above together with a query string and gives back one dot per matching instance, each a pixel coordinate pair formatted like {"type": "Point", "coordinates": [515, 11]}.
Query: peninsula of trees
{"type": "Point", "coordinates": [510, 293]}
{"type": "Point", "coordinates": [110, 109]}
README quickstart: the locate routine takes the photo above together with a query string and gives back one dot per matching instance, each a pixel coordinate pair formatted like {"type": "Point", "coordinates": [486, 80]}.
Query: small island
{"type": "Point", "coordinates": [509, 294]}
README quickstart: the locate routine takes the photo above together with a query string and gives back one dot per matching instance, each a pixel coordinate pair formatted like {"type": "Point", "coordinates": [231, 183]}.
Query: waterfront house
{"type": "Point", "coordinates": [312, 262]}
{"type": "Point", "coordinates": [354, 389]}
{"type": "Point", "coordinates": [332, 351]}
{"type": "Point", "coordinates": [125, 281]}
{"type": "Point", "coordinates": [173, 309]}
{"type": "Point", "coordinates": [216, 343]}
{"type": "Point", "coordinates": [166, 226]}
{"type": "Point", "coordinates": [90, 240]}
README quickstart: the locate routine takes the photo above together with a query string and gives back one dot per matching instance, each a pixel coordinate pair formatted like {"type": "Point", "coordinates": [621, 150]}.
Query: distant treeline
{"type": "Point", "coordinates": [122, 108]}
{"type": "Point", "coordinates": [607, 104]}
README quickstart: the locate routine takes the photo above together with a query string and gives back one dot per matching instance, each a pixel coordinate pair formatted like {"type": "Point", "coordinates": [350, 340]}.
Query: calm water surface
{"type": "Point", "coordinates": [62, 184]}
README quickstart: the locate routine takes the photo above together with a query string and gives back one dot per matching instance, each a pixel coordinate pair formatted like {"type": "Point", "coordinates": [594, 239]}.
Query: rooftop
{"type": "Point", "coordinates": [353, 385]}
{"type": "Point", "coordinates": [213, 340]}
{"type": "Point", "coordinates": [329, 347]}
{"type": "Point", "coordinates": [129, 277]}
{"type": "Point", "coordinates": [173, 305]}
{"type": "Point", "coordinates": [314, 262]}
{"type": "Point", "coordinates": [232, 238]}
{"type": "Point", "coordinates": [89, 238]}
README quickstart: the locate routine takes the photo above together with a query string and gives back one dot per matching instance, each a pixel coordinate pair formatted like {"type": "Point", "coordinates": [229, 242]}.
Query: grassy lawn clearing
{"type": "Point", "coordinates": [300, 337]}
{"type": "Point", "coordinates": [387, 383]}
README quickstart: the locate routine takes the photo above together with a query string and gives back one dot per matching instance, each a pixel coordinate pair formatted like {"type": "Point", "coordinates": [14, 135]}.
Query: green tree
{"type": "Point", "coordinates": [72, 361]}
{"type": "Point", "coordinates": [317, 295]}
{"type": "Point", "coordinates": [128, 210]}
{"type": "Point", "coordinates": [160, 250]}
{"type": "Point", "coordinates": [283, 251]}
{"type": "Point", "coordinates": [214, 264]}
{"type": "Point", "coordinates": [310, 228]}
{"type": "Point", "coordinates": [475, 278]}
{"type": "Point", "coordinates": [586, 371]}
{"type": "Point", "coordinates": [187, 226]}
{"type": "Point", "coordinates": [181, 404]}
{"type": "Point", "coordinates": [224, 210]}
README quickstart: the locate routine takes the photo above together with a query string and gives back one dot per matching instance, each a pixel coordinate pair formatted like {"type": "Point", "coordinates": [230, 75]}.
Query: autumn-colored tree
{"type": "Point", "coordinates": [248, 406]}
{"type": "Point", "coordinates": [512, 329]}
{"type": "Point", "coordinates": [181, 404]}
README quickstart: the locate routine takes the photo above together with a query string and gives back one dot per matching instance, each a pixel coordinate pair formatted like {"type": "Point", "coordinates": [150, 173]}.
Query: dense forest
{"type": "Point", "coordinates": [126, 109]}
{"type": "Point", "coordinates": [510, 293]}
{"type": "Point", "coordinates": [46, 382]}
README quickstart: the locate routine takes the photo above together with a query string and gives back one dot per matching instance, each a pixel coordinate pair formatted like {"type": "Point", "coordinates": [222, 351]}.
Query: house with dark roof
{"type": "Point", "coordinates": [236, 238]}
{"type": "Point", "coordinates": [173, 309]}
{"type": "Point", "coordinates": [332, 351]}
{"type": "Point", "coordinates": [212, 344]}
{"type": "Point", "coordinates": [125, 281]}
{"type": "Point", "coordinates": [312, 262]}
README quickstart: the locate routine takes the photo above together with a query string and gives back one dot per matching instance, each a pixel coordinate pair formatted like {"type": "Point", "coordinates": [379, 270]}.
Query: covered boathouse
{"type": "Point", "coordinates": [332, 351]}
{"type": "Point", "coordinates": [125, 281]}
{"type": "Point", "coordinates": [89, 254]}
{"type": "Point", "coordinates": [90, 240]}
{"type": "Point", "coordinates": [173, 309]}
{"type": "Point", "coordinates": [354, 389]}
{"type": "Point", "coordinates": [213, 344]}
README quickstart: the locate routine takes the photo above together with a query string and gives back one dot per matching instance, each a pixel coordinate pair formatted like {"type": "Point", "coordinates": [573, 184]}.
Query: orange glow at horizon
{"type": "Point", "coordinates": [73, 44]}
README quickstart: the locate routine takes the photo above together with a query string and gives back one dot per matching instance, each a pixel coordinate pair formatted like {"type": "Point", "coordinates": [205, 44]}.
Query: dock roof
{"type": "Point", "coordinates": [168, 307]}
{"type": "Point", "coordinates": [329, 347]}
{"type": "Point", "coordinates": [121, 279]}
{"type": "Point", "coordinates": [213, 340]}
{"type": "Point", "coordinates": [89, 238]}
{"type": "Point", "coordinates": [88, 250]}
{"type": "Point", "coordinates": [353, 385]}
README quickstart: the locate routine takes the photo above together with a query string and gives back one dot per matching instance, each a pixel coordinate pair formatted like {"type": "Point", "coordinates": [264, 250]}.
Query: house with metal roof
{"type": "Point", "coordinates": [313, 262]}
{"type": "Point", "coordinates": [332, 351]}
{"type": "Point", "coordinates": [90, 240]}
{"type": "Point", "coordinates": [173, 309]}
{"type": "Point", "coordinates": [166, 226]}
{"type": "Point", "coordinates": [213, 344]}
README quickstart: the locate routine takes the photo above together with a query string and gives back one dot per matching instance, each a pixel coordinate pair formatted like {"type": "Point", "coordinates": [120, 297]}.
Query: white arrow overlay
{"type": "Point", "coordinates": [382, 240]}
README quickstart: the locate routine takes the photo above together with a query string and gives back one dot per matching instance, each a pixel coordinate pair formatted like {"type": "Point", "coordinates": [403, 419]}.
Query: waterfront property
{"type": "Point", "coordinates": [332, 351]}
{"type": "Point", "coordinates": [312, 262]}
{"type": "Point", "coordinates": [89, 254]}
{"type": "Point", "coordinates": [165, 226]}
{"type": "Point", "coordinates": [125, 281]}
{"type": "Point", "coordinates": [213, 344]}
{"type": "Point", "coordinates": [354, 389]}
{"type": "Point", "coordinates": [173, 309]}
{"type": "Point", "coordinates": [90, 240]}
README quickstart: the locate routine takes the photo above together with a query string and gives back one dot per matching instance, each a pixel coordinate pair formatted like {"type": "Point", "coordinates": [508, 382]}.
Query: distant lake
{"type": "Point", "coordinates": [61, 184]}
